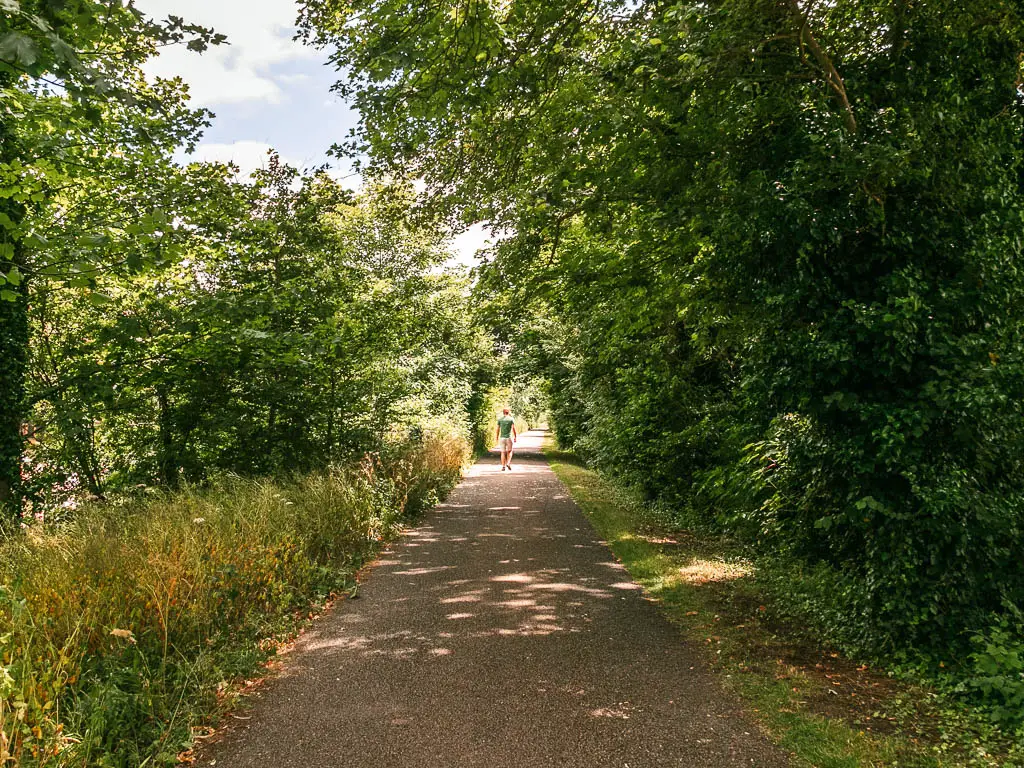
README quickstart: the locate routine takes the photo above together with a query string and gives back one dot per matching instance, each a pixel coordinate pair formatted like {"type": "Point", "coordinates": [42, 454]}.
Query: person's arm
{"type": "Point", "coordinates": [515, 436]}
{"type": "Point", "coordinates": [497, 433]}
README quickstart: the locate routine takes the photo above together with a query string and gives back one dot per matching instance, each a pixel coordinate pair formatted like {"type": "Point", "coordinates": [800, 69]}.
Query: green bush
{"type": "Point", "coordinates": [489, 402]}
{"type": "Point", "coordinates": [123, 624]}
{"type": "Point", "coordinates": [823, 353]}
{"type": "Point", "coordinates": [997, 669]}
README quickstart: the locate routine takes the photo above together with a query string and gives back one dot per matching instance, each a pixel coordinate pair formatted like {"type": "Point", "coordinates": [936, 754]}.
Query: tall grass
{"type": "Point", "coordinates": [119, 629]}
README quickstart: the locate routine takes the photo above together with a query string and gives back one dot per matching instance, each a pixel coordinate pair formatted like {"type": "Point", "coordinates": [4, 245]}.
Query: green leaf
{"type": "Point", "coordinates": [14, 276]}
{"type": "Point", "coordinates": [63, 51]}
{"type": "Point", "coordinates": [18, 48]}
{"type": "Point", "coordinates": [8, 295]}
{"type": "Point", "coordinates": [40, 23]}
{"type": "Point", "coordinates": [98, 299]}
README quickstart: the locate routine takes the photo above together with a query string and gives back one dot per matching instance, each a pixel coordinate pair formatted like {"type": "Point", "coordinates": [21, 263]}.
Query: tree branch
{"type": "Point", "coordinates": [832, 76]}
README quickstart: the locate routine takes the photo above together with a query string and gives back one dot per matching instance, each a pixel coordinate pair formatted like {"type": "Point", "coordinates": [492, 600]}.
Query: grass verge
{"type": "Point", "coordinates": [827, 711]}
{"type": "Point", "coordinates": [126, 631]}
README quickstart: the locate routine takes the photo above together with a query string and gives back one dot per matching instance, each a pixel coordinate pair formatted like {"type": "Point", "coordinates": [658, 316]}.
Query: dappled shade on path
{"type": "Point", "coordinates": [498, 632]}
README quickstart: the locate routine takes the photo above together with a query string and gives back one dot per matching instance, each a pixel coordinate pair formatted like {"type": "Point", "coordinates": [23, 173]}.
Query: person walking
{"type": "Point", "coordinates": [506, 436]}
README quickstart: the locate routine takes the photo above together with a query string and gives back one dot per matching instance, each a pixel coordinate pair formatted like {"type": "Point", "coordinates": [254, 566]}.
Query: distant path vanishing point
{"type": "Point", "coordinates": [498, 632]}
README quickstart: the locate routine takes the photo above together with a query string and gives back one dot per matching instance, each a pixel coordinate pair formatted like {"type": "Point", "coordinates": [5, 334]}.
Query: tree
{"type": "Point", "coordinates": [781, 237]}
{"type": "Point", "coordinates": [301, 325]}
{"type": "Point", "coordinates": [71, 91]}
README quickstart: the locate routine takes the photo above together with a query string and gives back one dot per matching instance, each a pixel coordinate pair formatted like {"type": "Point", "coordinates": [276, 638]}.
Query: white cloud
{"type": "Point", "coordinates": [465, 245]}
{"type": "Point", "coordinates": [301, 77]}
{"type": "Point", "coordinates": [347, 178]}
{"type": "Point", "coordinates": [247, 155]}
{"type": "Point", "coordinates": [260, 36]}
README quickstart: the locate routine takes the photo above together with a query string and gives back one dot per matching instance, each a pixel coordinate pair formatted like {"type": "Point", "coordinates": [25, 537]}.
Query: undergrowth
{"type": "Point", "coordinates": [760, 620]}
{"type": "Point", "coordinates": [125, 625]}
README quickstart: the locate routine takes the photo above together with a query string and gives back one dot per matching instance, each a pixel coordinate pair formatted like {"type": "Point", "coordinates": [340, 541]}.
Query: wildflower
{"type": "Point", "coordinates": [124, 634]}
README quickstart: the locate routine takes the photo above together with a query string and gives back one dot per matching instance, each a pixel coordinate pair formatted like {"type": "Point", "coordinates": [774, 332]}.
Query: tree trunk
{"type": "Point", "coordinates": [329, 452]}
{"type": "Point", "coordinates": [13, 366]}
{"type": "Point", "coordinates": [13, 337]}
{"type": "Point", "coordinates": [168, 456]}
{"type": "Point", "coordinates": [79, 443]}
{"type": "Point", "coordinates": [94, 469]}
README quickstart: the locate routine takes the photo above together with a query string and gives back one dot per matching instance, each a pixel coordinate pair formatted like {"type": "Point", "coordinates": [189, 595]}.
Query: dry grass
{"type": "Point", "coordinates": [123, 625]}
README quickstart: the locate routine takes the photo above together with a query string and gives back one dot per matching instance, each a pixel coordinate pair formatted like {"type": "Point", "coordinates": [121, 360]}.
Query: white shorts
{"type": "Point", "coordinates": [505, 443]}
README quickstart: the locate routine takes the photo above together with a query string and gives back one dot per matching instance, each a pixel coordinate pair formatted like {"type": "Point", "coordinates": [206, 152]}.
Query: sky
{"type": "Point", "coordinates": [266, 90]}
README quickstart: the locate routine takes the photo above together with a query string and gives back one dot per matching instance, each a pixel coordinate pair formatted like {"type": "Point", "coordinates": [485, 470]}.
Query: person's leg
{"type": "Point", "coordinates": [508, 461]}
{"type": "Point", "coordinates": [504, 452]}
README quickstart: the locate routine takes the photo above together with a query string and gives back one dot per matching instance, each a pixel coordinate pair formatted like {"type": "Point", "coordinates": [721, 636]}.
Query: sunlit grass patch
{"type": "Point", "coordinates": [703, 571]}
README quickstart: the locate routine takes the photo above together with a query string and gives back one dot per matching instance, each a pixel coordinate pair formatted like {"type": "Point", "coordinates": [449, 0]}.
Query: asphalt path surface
{"type": "Point", "coordinates": [498, 632]}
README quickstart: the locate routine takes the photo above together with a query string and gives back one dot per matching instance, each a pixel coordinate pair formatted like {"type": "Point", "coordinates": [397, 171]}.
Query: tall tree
{"type": "Point", "coordinates": [785, 235]}
{"type": "Point", "coordinates": [301, 325]}
{"type": "Point", "coordinates": [68, 72]}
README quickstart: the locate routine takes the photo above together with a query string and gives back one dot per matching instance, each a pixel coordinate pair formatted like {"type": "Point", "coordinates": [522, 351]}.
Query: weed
{"type": "Point", "coordinates": [125, 623]}
{"type": "Point", "coordinates": [825, 709]}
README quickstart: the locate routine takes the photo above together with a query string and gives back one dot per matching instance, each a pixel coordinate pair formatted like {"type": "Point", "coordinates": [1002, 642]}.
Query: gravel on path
{"type": "Point", "coordinates": [498, 632]}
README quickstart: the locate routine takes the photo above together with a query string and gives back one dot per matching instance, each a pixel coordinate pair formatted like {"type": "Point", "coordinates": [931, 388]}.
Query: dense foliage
{"type": "Point", "coordinates": [771, 249]}
{"type": "Point", "coordinates": [163, 323]}
{"type": "Point", "coordinates": [75, 109]}
{"type": "Point", "coordinates": [299, 326]}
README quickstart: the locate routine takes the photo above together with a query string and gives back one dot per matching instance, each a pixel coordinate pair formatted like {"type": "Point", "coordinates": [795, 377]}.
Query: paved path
{"type": "Point", "coordinates": [500, 632]}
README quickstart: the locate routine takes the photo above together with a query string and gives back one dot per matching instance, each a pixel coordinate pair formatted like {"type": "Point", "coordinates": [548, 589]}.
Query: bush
{"type": "Point", "coordinates": [125, 623]}
{"type": "Point", "coordinates": [997, 666]}
{"type": "Point", "coordinates": [804, 346]}
{"type": "Point", "coordinates": [487, 408]}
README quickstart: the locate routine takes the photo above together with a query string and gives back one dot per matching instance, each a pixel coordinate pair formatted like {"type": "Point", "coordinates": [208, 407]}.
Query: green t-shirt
{"type": "Point", "coordinates": [505, 426]}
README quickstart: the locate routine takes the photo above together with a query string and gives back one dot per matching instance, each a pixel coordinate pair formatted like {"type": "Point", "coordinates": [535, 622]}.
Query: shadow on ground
{"type": "Point", "coordinates": [499, 632]}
